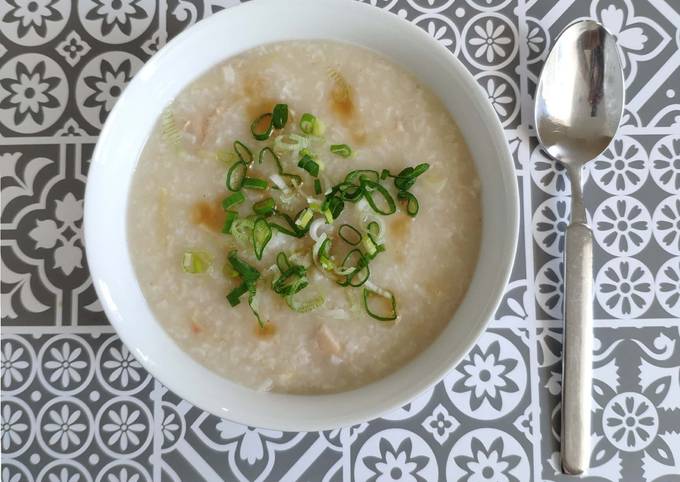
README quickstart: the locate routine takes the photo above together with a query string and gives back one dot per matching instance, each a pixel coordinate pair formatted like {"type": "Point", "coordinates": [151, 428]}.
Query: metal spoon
{"type": "Point", "coordinates": [579, 102]}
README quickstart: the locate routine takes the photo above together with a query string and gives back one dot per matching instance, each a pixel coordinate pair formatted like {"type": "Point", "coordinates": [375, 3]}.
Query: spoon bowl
{"type": "Point", "coordinates": [579, 103]}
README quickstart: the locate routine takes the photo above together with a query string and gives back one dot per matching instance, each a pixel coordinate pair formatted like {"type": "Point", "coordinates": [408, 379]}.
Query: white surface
{"type": "Point", "coordinates": [185, 58]}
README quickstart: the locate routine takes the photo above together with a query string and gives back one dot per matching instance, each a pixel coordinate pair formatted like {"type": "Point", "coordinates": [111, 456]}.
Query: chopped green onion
{"type": "Point", "coordinates": [251, 302]}
{"type": "Point", "coordinates": [307, 305]}
{"type": "Point", "coordinates": [370, 246]}
{"type": "Point", "coordinates": [234, 295]}
{"type": "Point", "coordinates": [280, 116]}
{"type": "Point", "coordinates": [335, 205]}
{"type": "Point", "coordinates": [293, 231]}
{"type": "Point", "coordinates": [293, 277]}
{"type": "Point", "coordinates": [232, 200]}
{"type": "Point", "coordinates": [349, 191]}
{"type": "Point", "coordinates": [249, 274]}
{"type": "Point", "coordinates": [196, 262]}
{"type": "Point", "coordinates": [265, 207]}
{"type": "Point", "coordinates": [407, 177]}
{"type": "Point", "coordinates": [354, 270]}
{"type": "Point", "coordinates": [262, 127]}
{"type": "Point", "coordinates": [243, 152]}
{"type": "Point", "coordinates": [317, 186]}
{"type": "Point", "coordinates": [349, 234]}
{"type": "Point", "coordinates": [282, 262]}
{"type": "Point", "coordinates": [229, 221]}
{"type": "Point", "coordinates": [389, 316]}
{"type": "Point", "coordinates": [328, 215]}
{"type": "Point", "coordinates": [273, 156]}
{"type": "Point", "coordinates": [255, 183]}
{"type": "Point", "coordinates": [309, 124]}
{"type": "Point", "coordinates": [241, 229]}
{"type": "Point", "coordinates": [362, 175]}
{"type": "Point", "coordinates": [236, 175]}
{"type": "Point", "coordinates": [309, 165]}
{"type": "Point", "coordinates": [290, 143]}
{"type": "Point", "coordinates": [373, 229]}
{"type": "Point", "coordinates": [342, 150]}
{"type": "Point", "coordinates": [388, 207]}
{"type": "Point", "coordinates": [411, 202]}
{"type": "Point", "coordinates": [304, 218]}
{"type": "Point", "coordinates": [385, 174]}
{"type": "Point", "coordinates": [262, 234]}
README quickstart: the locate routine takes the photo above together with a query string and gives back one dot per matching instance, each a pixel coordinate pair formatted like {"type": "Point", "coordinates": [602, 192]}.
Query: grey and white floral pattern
{"type": "Point", "coordinates": [622, 226]}
{"type": "Point", "coordinates": [496, 416]}
{"type": "Point", "coordinates": [624, 288]}
{"type": "Point", "coordinates": [124, 427]}
{"type": "Point", "coordinates": [13, 428]}
{"type": "Point", "coordinates": [64, 427]}
{"type": "Point", "coordinates": [622, 168]}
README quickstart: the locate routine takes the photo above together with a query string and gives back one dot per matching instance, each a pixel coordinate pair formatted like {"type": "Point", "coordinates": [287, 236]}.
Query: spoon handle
{"type": "Point", "coordinates": [578, 343]}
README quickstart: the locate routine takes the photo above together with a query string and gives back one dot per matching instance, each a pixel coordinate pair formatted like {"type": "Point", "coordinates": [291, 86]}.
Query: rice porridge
{"type": "Point", "coordinates": [304, 218]}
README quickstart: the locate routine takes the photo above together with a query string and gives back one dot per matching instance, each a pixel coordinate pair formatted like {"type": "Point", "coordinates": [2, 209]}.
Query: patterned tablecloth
{"type": "Point", "coordinates": [77, 407]}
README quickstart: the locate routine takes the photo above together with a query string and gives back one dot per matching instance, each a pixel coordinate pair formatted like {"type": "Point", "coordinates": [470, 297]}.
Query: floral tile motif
{"type": "Point", "coordinates": [630, 196]}
{"type": "Point", "coordinates": [476, 424]}
{"type": "Point", "coordinates": [636, 407]}
{"type": "Point", "coordinates": [74, 405]}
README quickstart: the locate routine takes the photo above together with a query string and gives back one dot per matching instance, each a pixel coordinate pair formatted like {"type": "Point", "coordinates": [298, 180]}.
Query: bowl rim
{"type": "Point", "coordinates": [378, 405]}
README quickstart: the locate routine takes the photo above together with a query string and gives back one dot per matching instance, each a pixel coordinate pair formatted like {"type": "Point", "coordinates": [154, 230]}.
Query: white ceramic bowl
{"type": "Point", "coordinates": [187, 57]}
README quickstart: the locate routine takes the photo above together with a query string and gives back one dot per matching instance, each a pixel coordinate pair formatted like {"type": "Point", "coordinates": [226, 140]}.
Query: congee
{"type": "Point", "coordinates": [305, 217]}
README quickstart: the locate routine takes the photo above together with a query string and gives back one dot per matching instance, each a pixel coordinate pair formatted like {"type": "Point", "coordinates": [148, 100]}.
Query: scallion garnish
{"type": "Point", "coordinates": [309, 124]}
{"type": "Point", "coordinates": [303, 219]}
{"type": "Point", "coordinates": [243, 152]}
{"type": "Point", "coordinates": [232, 200]}
{"type": "Point", "coordinates": [349, 234]}
{"type": "Point", "coordinates": [354, 268]}
{"type": "Point", "coordinates": [248, 274]}
{"type": "Point", "coordinates": [349, 191]}
{"type": "Point", "coordinates": [306, 305]}
{"type": "Point", "coordinates": [267, 151]}
{"type": "Point", "coordinates": [291, 229]}
{"type": "Point", "coordinates": [361, 175]}
{"type": "Point", "coordinates": [282, 262]}
{"type": "Point", "coordinates": [334, 205]}
{"type": "Point", "coordinates": [255, 183]}
{"type": "Point", "coordinates": [196, 262]}
{"type": "Point", "coordinates": [253, 305]}
{"type": "Point", "coordinates": [308, 164]}
{"type": "Point", "coordinates": [229, 221]}
{"type": "Point", "coordinates": [290, 143]}
{"type": "Point", "coordinates": [236, 175]}
{"type": "Point", "coordinates": [262, 127]}
{"type": "Point", "coordinates": [265, 207]}
{"type": "Point", "coordinates": [387, 207]}
{"type": "Point", "coordinates": [373, 248]}
{"type": "Point", "coordinates": [317, 186]}
{"type": "Point", "coordinates": [293, 277]}
{"type": "Point", "coordinates": [385, 316]}
{"type": "Point", "coordinates": [262, 234]}
{"type": "Point", "coordinates": [234, 296]}
{"type": "Point", "coordinates": [342, 150]}
{"type": "Point", "coordinates": [411, 202]}
{"type": "Point", "coordinates": [280, 116]}
{"type": "Point", "coordinates": [242, 229]}
{"type": "Point", "coordinates": [373, 229]}
{"type": "Point", "coordinates": [407, 177]}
